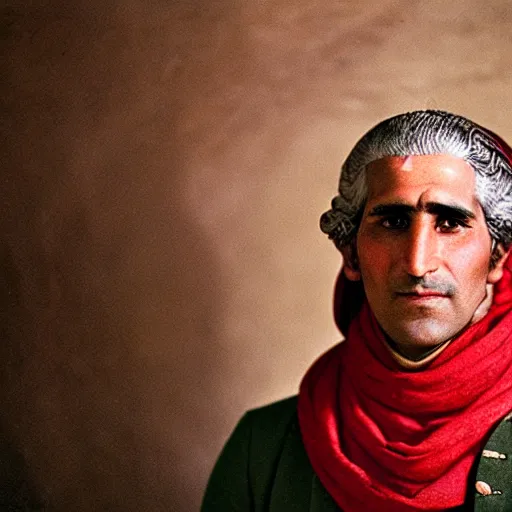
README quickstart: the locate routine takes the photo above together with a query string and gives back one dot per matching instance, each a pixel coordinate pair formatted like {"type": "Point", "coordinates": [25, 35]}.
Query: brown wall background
{"type": "Point", "coordinates": [164, 165]}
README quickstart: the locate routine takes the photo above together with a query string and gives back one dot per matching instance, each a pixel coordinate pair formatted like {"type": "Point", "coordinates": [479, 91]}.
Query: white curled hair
{"type": "Point", "coordinates": [426, 132]}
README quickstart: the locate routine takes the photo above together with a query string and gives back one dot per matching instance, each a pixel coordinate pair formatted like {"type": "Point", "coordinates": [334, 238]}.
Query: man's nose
{"type": "Point", "coordinates": [421, 252]}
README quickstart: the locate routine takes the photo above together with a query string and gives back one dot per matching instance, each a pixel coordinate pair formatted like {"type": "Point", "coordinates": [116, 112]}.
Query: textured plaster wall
{"type": "Point", "coordinates": [164, 165]}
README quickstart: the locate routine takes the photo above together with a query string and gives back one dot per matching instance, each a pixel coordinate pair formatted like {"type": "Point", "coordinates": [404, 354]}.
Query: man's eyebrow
{"type": "Point", "coordinates": [449, 210]}
{"type": "Point", "coordinates": [391, 209]}
{"type": "Point", "coordinates": [444, 210]}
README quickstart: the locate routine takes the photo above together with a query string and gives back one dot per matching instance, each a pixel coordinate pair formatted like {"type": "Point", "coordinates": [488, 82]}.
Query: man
{"type": "Point", "coordinates": [409, 413]}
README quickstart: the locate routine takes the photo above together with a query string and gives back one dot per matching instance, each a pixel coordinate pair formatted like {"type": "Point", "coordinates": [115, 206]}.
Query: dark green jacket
{"type": "Point", "coordinates": [264, 468]}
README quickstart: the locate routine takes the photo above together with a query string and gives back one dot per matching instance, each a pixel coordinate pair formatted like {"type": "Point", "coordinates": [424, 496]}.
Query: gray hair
{"type": "Point", "coordinates": [426, 132]}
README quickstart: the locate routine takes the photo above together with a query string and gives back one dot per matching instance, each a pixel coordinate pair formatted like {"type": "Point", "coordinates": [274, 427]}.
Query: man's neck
{"type": "Point", "coordinates": [417, 359]}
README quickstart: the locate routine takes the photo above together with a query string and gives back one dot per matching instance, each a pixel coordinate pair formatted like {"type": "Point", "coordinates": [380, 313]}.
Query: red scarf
{"type": "Point", "coordinates": [381, 438]}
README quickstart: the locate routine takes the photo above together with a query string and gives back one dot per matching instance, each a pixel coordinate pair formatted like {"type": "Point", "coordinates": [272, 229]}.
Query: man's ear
{"type": "Point", "coordinates": [498, 258]}
{"type": "Point", "coordinates": [351, 261]}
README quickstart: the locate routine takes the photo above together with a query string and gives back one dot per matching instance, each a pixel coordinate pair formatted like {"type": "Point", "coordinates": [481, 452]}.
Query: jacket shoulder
{"type": "Point", "coordinates": [271, 425]}
{"type": "Point", "coordinates": [243, 476]}
{"type": "Point", "coordinates": [275, 416]}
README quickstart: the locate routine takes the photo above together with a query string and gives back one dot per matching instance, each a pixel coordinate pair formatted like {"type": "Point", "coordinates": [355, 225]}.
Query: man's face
{"type": "Point", "coordinates": [424, 249]}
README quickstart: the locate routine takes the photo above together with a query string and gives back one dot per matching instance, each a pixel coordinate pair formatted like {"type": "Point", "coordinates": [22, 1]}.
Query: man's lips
{"type": "Point", "coordinates": [425, 293]}
{"type": "Point", "coordinates": [421, 295]}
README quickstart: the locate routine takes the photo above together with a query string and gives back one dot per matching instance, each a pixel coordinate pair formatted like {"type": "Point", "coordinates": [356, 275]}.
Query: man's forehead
{"type": "Point", "coordinates": [419, 179]}
{"type": "Point", "coordinates": [412, 162]}
{"type": "Point", "coordinates": [412, 169]}
{"type": "Point", "coordinates": [407, 163]}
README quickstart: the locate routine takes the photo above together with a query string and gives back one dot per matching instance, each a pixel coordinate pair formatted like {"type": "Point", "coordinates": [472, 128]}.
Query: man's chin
{"type": "Point", "coordinates": [415, 343]}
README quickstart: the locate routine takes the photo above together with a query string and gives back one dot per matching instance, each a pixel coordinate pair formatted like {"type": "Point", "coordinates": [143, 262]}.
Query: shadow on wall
{"type": "Point", "coordinates": [90, 360]}
{"type": "Point", "coordinates": [110, 292]}
{"type": "Point", "coordinates": [102, 319]}
{"type": "Point", "coordinates": [17, 491]}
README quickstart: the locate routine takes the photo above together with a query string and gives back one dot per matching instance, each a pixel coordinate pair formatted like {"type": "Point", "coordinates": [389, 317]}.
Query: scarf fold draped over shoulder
{"type": "Point", "coordinates": [381, 438]}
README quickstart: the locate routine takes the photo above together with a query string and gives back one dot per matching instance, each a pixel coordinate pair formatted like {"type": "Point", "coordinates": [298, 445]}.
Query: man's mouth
{"type": "Point", "coordinates": [416, 299]}
{"type": "Point", "coordinates": [426, 293]}
{"type": "Point", "coordinates": [421, 295]}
